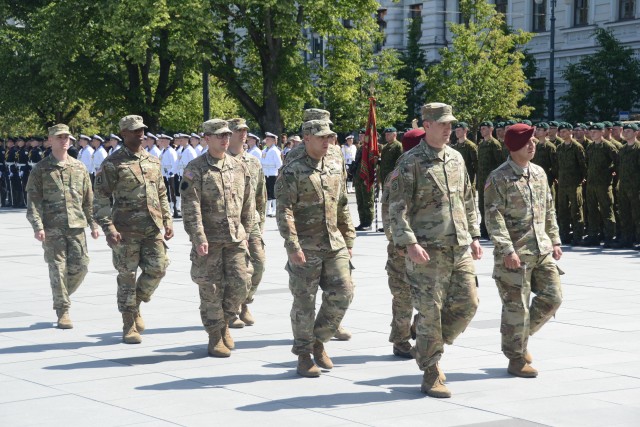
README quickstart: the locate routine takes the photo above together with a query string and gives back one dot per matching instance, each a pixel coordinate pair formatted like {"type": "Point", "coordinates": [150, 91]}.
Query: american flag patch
{"type": "Point", "coordinates": [188, 174]}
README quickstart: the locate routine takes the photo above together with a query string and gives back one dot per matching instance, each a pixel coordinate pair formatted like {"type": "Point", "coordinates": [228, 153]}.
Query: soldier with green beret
{"type": "Point", "coordinates": [545, 156]}
{"type": "Point", "coordinates": [490, 156]}
{"type": "Point", "coordinates": [572, 171]}
{"type": "Point", "coordinates": [629, 188]}
{"type": "Point", "coordinates": [553, 133]}
{"type": "Point", "coordinates": [467, 148]}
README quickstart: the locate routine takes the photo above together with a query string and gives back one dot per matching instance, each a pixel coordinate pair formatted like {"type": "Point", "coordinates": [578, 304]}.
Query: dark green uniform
{"type": "Point", "coordinates": [490, 156]}
{"type": "Point", "coordinates": [469, 152]}
{"type": "Point", "coordinates": [388, 156]}
{"type": "Point", "coordinates": [629, 193]}
{"type": "Point", "coordinates": [364, 198]}
{"type": "Point", "coordinates": [572, 170]}
{"type": "Point", "coordinates": [601, 160]}
{"type": "Point", "coordinates": [545, 157]}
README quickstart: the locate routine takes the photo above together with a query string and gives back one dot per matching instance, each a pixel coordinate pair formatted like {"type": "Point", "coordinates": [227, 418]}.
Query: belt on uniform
{"type": "Point", "coordinates": [10, 164]}
{"type": "Point", "coordinates": [21, 165]}
{"type": "Point", "coordinates": [32, 164]}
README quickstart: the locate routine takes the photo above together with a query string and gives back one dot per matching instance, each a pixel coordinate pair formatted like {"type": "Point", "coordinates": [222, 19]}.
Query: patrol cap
{"type": "Point", "coordinates": [565, 125]}
{"type": "Point", "coordinates": [82, 136]}
{"type": "Point", "coordinates": [543, 125]}
{"type": "Point", "coordinates": [98, 137]}
{"type": "Point", "coordinates": [117, 138]}
{"type": "Point", "coordinates": [617, 124]}
{"type": "Point", "coordinates": [131, 122]}
{"type": "Point", "coordinates": [412, 138]}
{"type": "Point", "coordinates": [607, 124]}
{"type": "Point", "coordinates": [152, 136]}
{"type": "Point", "coordinates": [487, 123]}
{"type": "Point", "coordinates": [216, 127]}
{"type": "Point", "coordinates": [390, 129]}
{"type": "Point", "coordinates": [59, 129]}
{"type": "Point", "coordinates": [596, 126]}
{"type": "Point", "coordinates": [526, 122]}
{"type": "Point", "coordinates": [438, 112]}
{"type": "Point", "coordinates": [194, 135]}
{"type": "Point", "coordinates": [517, 136]}
{"type": "Point", "coordinates": [253, 136]}
{"type": "Point", "coordinates": [319, 128]}
{"type": "Point", "coordinates": [316, 114]}
{"type": "Point", "coordinates": [270, 135]}
{"type": "Point", "coordinates": [632, 126]}
{"type": "Point", "coordinates": [553, 124]}
{"type": "Point", "coordinates": [462, 125]}
{"type": "Point", "coordinates": [499, 125]}
{"type": "Point", "coordinates": [237, 123]}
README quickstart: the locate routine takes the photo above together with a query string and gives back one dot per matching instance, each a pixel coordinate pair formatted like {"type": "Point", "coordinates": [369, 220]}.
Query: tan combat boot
{"type": "Point", "coordinates": [138, 319]}
{"type": "Point", "coordinates": [64, 321]}
{"type": "Point", "coordinates": [527, 357]}
{"type": "Point", "coordinates": [216, 346]}
{"type": "Point", "coordinates": [320, 356]}
{"type": "Point", "coordinates": [520, 368]}
{"type": "Point", "coordinates": [236, 323]}
{"type": "Point", "coordinates": [130, 334]}
{"type": "Point", "coordinates": [227, 339]}
{"type": "Point", "coordinates": [245, 315]}
{"type": "Point", "coordinates": [441, 374]}
{"type": "Point", "coordinates": [342, 334]}
{"type": "Point", "coordinates": [432, 385]}
{"type": "Point", "coordinates": [306, 367]}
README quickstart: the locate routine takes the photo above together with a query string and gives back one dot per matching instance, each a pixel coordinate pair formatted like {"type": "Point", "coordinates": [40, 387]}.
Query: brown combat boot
{"type": "Point", "coordinates": [130, 334]}
{"type": "Point", "coordinates": [432, 385]}
{"type": "Point", "coordinates": [245, 315]}
{"type": "Point", "coordinates": [403, 349]}
{"type": "Point", "coordinates": [342, 334]}
{"type": "Point", "coordinates": [520, 368]}
{"type": "Point", "coordinates": [216, 346]}
{"type": "Point", "coordinates": [227, 339]}
{"type": "Point", "coordinates": [64, 321]}
{"type": "Point", "coordinates": [320, 356]}
{"type": "Point", "coordinates": [306, 367]}
{"type": "Point", "coordinates": [138, 319]}
{"type": "Point", "coordinates": [236, 323]}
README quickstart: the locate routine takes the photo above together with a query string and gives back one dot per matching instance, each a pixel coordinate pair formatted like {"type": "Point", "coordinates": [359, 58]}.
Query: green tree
{"type": "Point", "coordinates": [481, 74]}
{"type": "Point", "coordinates": [414, 60]}
{"type": "Point", "coordinates": [604, 83]}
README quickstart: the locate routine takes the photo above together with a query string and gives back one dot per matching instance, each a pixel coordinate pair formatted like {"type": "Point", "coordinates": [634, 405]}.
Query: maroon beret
{"type": "Point", "coordinates": [412, 138]}
{"type": "Point", "coordinates": [517, 136]}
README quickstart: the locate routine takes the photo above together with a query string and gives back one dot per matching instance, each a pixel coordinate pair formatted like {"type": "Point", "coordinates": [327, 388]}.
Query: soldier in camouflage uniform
{"type": "Point", "coordinates": [259, 193]}
{"type": "Point", "coordinates": [432, 212]}
{"type": "Point", "coordinates": [467, 149]}
{"type": "Point", "coordinates": [313, 218]}
{"type": "Point", "coordinates": [629, 188]}
{"type": "Point", "coordinates": [132, 178]}
{"type": "Point", "coordinates": [218, 210]}
{"type": "Point", "coordinates": [572, 171]}
{"type": "Point", "coordinates": [489, 157]}
{"type": "Point", "coordinates": [601, 160]}
{"type": "Point", "coordinates": [545, 156]}
{"type": "Point", "coordinates": [59, 207]}
{"type": "Point", "coordinates": [522, 224]}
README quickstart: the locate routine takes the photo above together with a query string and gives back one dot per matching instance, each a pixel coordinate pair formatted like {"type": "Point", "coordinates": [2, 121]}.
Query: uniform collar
{"type": "Point", "coordinates": [432, 153]}
{"type": "Point", "coordinates": [141, 155]}
{"type": "Point", "coordinates": [221, 164]}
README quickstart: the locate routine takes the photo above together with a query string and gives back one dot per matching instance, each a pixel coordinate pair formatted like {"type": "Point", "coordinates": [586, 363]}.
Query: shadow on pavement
{"type": "Point", "coordinates": [209, 382]}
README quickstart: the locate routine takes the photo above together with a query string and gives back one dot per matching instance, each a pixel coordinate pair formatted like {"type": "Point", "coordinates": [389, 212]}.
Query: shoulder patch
{"type": "Point", "coordinates": [487, 184]}
{"type": "Point", "coordinates": [188, 174]}
{"type": "Point", "coordinates": [394, 175]}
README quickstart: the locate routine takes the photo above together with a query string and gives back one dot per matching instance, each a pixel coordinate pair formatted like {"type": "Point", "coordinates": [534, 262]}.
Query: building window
{"type": "Point", "coordinates": [539, 16]}
{"type": "Point", "coordinates": [382, 26]}
{"type": "Point", "coordinates": [501, 6]}
{"type": "Point", "coordinates": [415, 11]}
{"type": "Point", "coordinates": [580, 12]}
{"type": "Point", "coordinates": [627, 9]}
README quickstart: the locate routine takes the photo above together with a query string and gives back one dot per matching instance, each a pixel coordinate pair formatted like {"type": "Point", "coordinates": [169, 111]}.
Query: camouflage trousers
{"type": "Point", "coordinates": [145, 250]}
{"type": "Point", "coordinates": [629, 201]}
{"type": "Point", "coordinates": [65, 251]}
{"type": "Point", "coordinates": [331, 271]}
{"type": "Point", "coordinates": [521, 315]}
{"type": "Point", "coordinates": [600, 211]}
{"type": "Point", "coordinates": [223, 281]}
{"type": "Point", "coordinates": [570, 214]}
{"type": "Point", "coordinates": [257, 258]}
{"type": "Point", "coordinates": [364, 201]}
{"type": "Point", "coordinates": [444, 292]}
{"type": "Point", "coordinates": [401, 307]}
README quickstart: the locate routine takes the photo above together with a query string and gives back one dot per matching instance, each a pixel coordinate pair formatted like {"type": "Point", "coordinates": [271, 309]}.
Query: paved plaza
{"type": "Point", "coordinates": [588, 356]}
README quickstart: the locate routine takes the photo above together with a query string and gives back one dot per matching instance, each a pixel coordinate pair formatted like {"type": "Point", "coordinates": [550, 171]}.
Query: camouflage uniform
{"type": "Point", "coordinates": [490, 156]}
{"type": "Point", "coordinates": [521, 219]}
{"type": "Point", "coordinates": [313, 217]}
{"type": "Point", "coordinates": [469, 152]}
{"type": "Point", "coordinates": [629, 193]}
{"type": "Point", "coordinates": [432, 203]}
{"type": "Point", "coordinates": [218, 209]}
{"type": "Point", "coordinates": [601, 160]}
{"type": "Point", "coordinates": [139, 213]}
{"type": "Point", "coordinates": [60, 202]}
{"type": "Point", "coordinates": [572, 169]}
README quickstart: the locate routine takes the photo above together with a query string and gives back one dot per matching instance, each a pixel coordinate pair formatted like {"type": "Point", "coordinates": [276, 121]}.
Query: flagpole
{"type": "Point", "coordinates": [372, 92]}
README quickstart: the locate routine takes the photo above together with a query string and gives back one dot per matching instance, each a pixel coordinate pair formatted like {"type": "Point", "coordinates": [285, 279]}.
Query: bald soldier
{"type": "Point", "coordinates": [59, 207]}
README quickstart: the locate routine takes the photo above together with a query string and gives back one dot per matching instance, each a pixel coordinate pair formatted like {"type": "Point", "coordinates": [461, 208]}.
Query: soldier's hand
{"type": "Point", "coordinates": [512, 261]}
{"type": "Point", "coordinates": [417, 254]}
{"type": "Point", "coordinates": [557, 252]}
{"type": "Point", "coordinates": [476, 250]}
{"type": "Point", "coordinates": [95, 233]}
{"type": "Point", "coordinates": [297, 258]}
{"type": "Point", "coordinates": [168, 232]}
{"type": "Point", "coordinates": [114, 238]}
{"type": "Point", "coordinates": [203, 249]}
{"type": "Point", "coordinates": [39, 235]}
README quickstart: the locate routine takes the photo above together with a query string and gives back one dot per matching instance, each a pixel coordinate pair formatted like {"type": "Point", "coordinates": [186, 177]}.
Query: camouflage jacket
{"type": "Point", "coordinates": [260, 190]}
{"type": "Point", "coordinates": [520, 211]}
{"type": "Point", "coordinates": [312, 210]}
{"type": "Point", "coordinates": [389, 154]}
{"type": "Point", "coordinates": [572, 164]}
{"type": "Point", "coordinates": [545, 157]}
{"type": "Point", "coordinates": [629, 166]}
{"type": "Point", "coordinates": [298, 152]}
{"type": "Point", "coordinates": [469, 151]}
{"type": "Point", "coordinates": [601, 163]}
{"type": "Point", "coordinates": [217, 200]}
{"type": "Point", "coordinates": [134, 182]}
{"type": "Point", "coordinates": [59, 195]}
{"type": "Point", "coordinates": [431, 201]}
{"type": "Point", "coordinates": [490, 156]}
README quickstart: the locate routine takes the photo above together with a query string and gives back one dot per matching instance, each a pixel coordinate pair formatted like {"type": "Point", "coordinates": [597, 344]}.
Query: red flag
{"type": "Point", "coordinates": [370, 152]}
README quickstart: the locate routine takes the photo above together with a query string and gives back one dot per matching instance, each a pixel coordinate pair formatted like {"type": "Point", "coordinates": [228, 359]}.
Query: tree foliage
{"type": "Point", "coordinates": [414, 60]}
{"type": "Point", "coordinates": [481, 74]}
{"type": "Point", "coordinates": [603, 84]}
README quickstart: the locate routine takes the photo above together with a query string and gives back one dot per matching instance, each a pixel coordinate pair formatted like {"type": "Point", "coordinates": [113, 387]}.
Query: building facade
{"type": "Point", "coordinates": [576, 21]}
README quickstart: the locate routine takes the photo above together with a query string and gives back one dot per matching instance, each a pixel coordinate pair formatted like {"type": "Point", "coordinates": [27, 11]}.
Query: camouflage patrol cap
{"type": "Point", "coordinates": [565, 125]}
{"type": "Point", "coordinates": [319, 128]}
{"type": "Point", "coordinates": [216, 127]}
{"type": "Point", "coordinates": [59, 129]}
{"type": "Point", "coordinates": [553, 124]}
{"type": "Point", "coordinates": [487, 123]}
{"type": "Point", "coordinates": [607, 124]}
{"type": "Point", "coordinates": [438, 112]}
{"type": "Point", "coordinates": [316, 114]}
{"type": "Point", "coordinates": [543, 125]}
{"type": "Point", "coordinates": [131, 122]}
{"type": "Point", "coordinates": [237, 124]}
{"type": "Point", "coordinates": [597, 126]}
{"type": "Point", "coordinates": [463, 125]}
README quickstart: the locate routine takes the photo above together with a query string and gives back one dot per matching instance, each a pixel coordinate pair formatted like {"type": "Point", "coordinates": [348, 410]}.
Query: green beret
{"type": "Point", "coordinates": [363, 130]}
{"type": "Point", "coordinates": [459, 125]}
{"type": "Point", "coordinates": [500, 125]}
{"type": "Point", "coordinates": [630, 126]}
{"type": "Point", "coordinates": [487, 123]}
{"type": "Point", "coordinates": [581, 126]}
{"type": "Point", "coordinates": [565, 125]}
{"type": "Point", "coordinates": [543, 125]}
{"type": "Point", "coordinates": [510, 123]}
{"type": "Point", "coordinates": [617, 124]}
{"type": "Point", "coordinates": [597, 126]}
{"type": "Point", "coordinates": [607, 124]}
{"type": "Point", "coordinates": [526, 122]}
{"type": "Point", "coordinates": [553, 124]}
{"type": "Point", "coordinates": [390, 129]}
